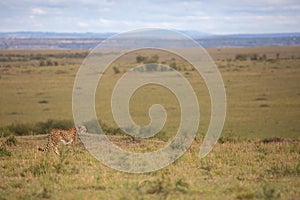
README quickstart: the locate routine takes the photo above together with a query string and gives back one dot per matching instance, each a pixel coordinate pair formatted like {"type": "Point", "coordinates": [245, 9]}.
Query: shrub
{"type": "Point", "coordinates": [273, 140]}
{"type": "Point", "coordinates": [45, 127]}
{"type": "Point", "coordinates": [263, 57]}
{"type": "Point", "coordinates": [42, 63]}
{"type": "Point", "coordinates": [11, 140]}
{"type": "Point", "coordinates": [110, 130]}
{"type": "Point", "coordinates": [116, 70]}
{"type": "Point", "coordinates": [140, 59]}
{"type": "Point", "coordinates": [173, 65]}
{"type": "Point", "coordinates": [4, 152]}
{"type": "Point", "coordinates": [154, 59]}
{"type": "Point", "coordinates": [145, 59]}
{"type": "Point", "coordinates": [20, 129]}
{"type": "Point", "coordinates": [43, 102]}
{"type": "Point", "coordinates": [241, 57]}
{"type": "Point", "coordinates": [37, 128]}
{"type": "Point", "coordinates": [254, 57]}
{"type": "Point", "coordinates": [270, 193]}
{"type": "Point", "coordinates": [49, 63]}
{"type": "Point", "coordinates": [4, 131]}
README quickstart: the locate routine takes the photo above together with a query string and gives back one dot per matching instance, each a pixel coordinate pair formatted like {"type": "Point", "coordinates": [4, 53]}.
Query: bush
{"type": "Point", "coordinates": [241, 57]}
{"type": "Point", "coordinates": [273, 140]}
{"type": "Point", "coordinates": [116, 70]}
{"type": "Point", "coordinates": [173, 65]}
{"type": "Point", "coordinates": [20, 129]}
{"type": "Point", "coordinates": [145, 59]}
{"type": "Point", "coordinates": [8, 142]}
{"type": "Point", "coordinates": [49, 63]}
{"type": "Point", "coordinates": [141, 59]}
{"type": "Point", "coordinates": [42, 63]}
{"type": "Point", "coordinates": [4, 131]}
{"type": "Point", "coordinates": [4, 152]}
{"type": "Point", "coordinates": [43, 102]}
{"type": "Point", "coordinates": [254, 57]}
{"type": "Point", "coordinates": [46, 127]}
{"type": "Point", "coordinates": [62, 124]}
{"type": "Point", "coordinates": [154, 59]}
{"type": "Point", "coordinates": [263, 57]}
{"type": "Point", "coordinates": [270, 193]}
{"type": "Point", "coordinates": [11, 140]}
{"type": "Point", "coordinates": [38, 128]}
{"type": "Point", "coordinates": [110, 130]}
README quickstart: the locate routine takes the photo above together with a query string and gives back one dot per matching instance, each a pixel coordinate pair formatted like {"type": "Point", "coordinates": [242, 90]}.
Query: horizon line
{"type": "Point", "coordinates": [116, 32]}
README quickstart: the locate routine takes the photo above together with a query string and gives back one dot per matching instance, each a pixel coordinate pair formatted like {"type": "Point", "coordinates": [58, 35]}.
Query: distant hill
{"type": "Point", "coordinates": [53, 40]}
{"type": "Point", "coordinates": [28, 34]}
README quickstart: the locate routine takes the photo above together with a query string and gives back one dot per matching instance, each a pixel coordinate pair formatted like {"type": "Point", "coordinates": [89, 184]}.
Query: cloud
{"type": "Point", "coordinates": [105, 9]}
{"type": "Point", "coordinates": [83, 24]}
{"type": "Point", "coordinates": [214, 16]}
{"type": "Point", "coordinates": [38, 11]}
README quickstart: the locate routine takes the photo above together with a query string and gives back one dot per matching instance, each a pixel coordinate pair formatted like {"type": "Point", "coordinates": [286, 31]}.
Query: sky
{"type": "Point", "coordinates": [205, 16]}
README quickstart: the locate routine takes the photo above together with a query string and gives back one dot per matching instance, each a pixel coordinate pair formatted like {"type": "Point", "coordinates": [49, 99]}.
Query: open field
{"type": "Point", "coordinates": [247, 169]}
{"type": "Point", "coordinates": [262, 94]}
{"type": "Point", "coordinates": [257, 156]}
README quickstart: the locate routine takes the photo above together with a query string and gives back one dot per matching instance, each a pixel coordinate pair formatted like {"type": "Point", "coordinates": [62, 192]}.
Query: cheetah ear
{"type": "Point", "coordinates": [82, 129]}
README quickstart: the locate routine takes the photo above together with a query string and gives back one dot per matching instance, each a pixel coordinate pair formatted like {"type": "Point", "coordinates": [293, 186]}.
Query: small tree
{"type": "Point", "coordinates": [140, 59]}
{"type": "Point", "coordinates": [241, 57]}
{"type": "Point", "coordinates": [154, 59]}
{"type": "Point", "coordinates": [116, 70]}
{"type": "Point", "coordinates": [253, 57]}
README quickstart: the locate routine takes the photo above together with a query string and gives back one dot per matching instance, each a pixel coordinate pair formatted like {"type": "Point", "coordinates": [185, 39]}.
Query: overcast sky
{"type": "Point", "coordinates": [208, 16]}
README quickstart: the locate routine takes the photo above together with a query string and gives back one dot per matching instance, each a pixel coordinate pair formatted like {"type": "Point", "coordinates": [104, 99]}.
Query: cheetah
{"type": "Point", "coordinates": [67, 137]}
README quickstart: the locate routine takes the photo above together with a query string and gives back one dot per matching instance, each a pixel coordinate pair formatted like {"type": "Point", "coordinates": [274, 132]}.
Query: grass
{"type": "Point", "coordinates": [248, 169]}
{"type": "Point", "coordinates": [257, 156]}
{"type": "Point", "coordinates": [262, 95]}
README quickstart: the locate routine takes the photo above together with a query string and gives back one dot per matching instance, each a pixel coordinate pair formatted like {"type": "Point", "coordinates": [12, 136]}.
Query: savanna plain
{"type": "Point", "coordinates": [256, 157]}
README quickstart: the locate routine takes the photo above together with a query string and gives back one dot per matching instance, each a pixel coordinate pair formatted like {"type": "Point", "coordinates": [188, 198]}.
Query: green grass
{"type": "Point", "coordinates": [257, 156]}
{"type": "Point", "coordinates": [233, 170]}
{"type": "Point", "coordinates": [262, 95]}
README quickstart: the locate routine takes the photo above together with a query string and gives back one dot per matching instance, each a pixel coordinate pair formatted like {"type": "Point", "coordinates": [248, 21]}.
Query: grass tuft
{"type": "Point", "coordinates": [4, 152]}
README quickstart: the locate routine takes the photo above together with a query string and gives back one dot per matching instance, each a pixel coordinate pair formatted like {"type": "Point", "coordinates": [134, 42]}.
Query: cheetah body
{"type": "Point", "coordinates": [67, 137]}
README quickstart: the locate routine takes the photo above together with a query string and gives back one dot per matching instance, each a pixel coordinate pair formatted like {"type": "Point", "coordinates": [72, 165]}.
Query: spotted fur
{"type": "Point", "coordinates": [67, 137]}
